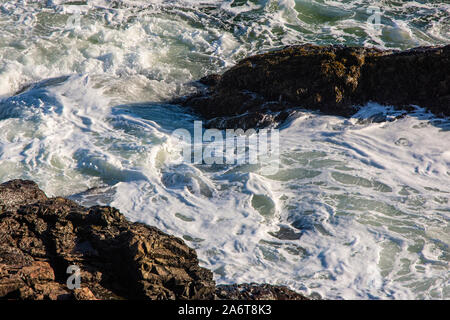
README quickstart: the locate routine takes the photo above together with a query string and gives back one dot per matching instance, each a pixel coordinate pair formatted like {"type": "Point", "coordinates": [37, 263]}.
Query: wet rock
{"type": "Point", "coordinates": [250, 120]}
{"type": "Point", "coordinates": [210, 80]}
{"type": "Point", "coordinates": [330, 79]}
{"type": "Point", "coordinates": [17, 192]}
{"type": "Point", "coordinates": [286, 233]}
{"type": "Point", "coordinates": [41, 237]}
{"type": "Point", "coordinates": [254, 291]}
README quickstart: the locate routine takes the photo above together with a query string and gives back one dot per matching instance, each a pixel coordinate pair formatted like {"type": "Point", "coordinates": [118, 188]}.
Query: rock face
{"type": "Point", "coordinates": [262, 89]}
{"type": "Point", "coordinates": [252, 291]}
{"type": "Point", "coordinates": [41, 237]}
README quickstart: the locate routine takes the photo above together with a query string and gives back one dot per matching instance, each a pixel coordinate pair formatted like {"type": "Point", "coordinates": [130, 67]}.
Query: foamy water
{"type": "Point", "coordinates": [359, 208]}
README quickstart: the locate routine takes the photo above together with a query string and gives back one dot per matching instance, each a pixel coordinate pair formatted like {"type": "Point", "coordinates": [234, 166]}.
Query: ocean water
{"type": "Point", "coordinates": [359, 208]}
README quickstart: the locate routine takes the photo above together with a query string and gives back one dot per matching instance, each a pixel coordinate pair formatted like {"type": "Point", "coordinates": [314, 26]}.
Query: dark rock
{"type": "Point", "coordinates": [41, 237]}
{"type": "Point", "coordinates": [210, 80]}
{"type": "Point", "coordinates": [286, 233]}
{"type": "Point", "coordinates": [17, 192]}
{"type": "Point", "coordinates": [249, 120]}
{"type": "Point", "coordinates": [254, 291]}
{"type": "Point", "coordinates": [331, 79]}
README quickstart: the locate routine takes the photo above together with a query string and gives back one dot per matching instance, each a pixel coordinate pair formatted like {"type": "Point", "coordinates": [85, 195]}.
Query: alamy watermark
{"type": "Point", "coordinates": [74, 280]}
{"type": "Point", "coordinates": [374, 18]}
{"type": "Point", "coordinates": [230, 146]}
{"type": "Point", "coordinates": [74, 21]}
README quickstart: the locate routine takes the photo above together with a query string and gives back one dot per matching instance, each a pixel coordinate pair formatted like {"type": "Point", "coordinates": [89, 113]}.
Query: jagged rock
{"type": "Point", "coordinates": [18, 192]}
{"type": "Point", "coordinates": [83, 294]}
{"type": "Point", "coordinates": [331, 79]}
{"type": "Point", "coordinates": [41, 237]}
{"type": "Point", "coordinates": [254, 291]}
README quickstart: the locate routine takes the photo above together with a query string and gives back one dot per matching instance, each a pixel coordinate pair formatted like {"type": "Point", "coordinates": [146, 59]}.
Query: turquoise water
{"type": "Point", "coordinates": [357, 210]}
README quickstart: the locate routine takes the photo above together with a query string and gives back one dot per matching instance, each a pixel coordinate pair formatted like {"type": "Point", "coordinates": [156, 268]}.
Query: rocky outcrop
{"type": "Point", "coordinates": [253, 291]}
{"type": "Point", "coordinates": [262, 89]}
{"type": "Point", "coordinates": [41, 237]}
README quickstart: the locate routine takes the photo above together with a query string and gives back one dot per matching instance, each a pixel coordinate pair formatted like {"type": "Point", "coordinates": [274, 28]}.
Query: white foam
{"type": "Point", "coordinates": [370, 200]}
